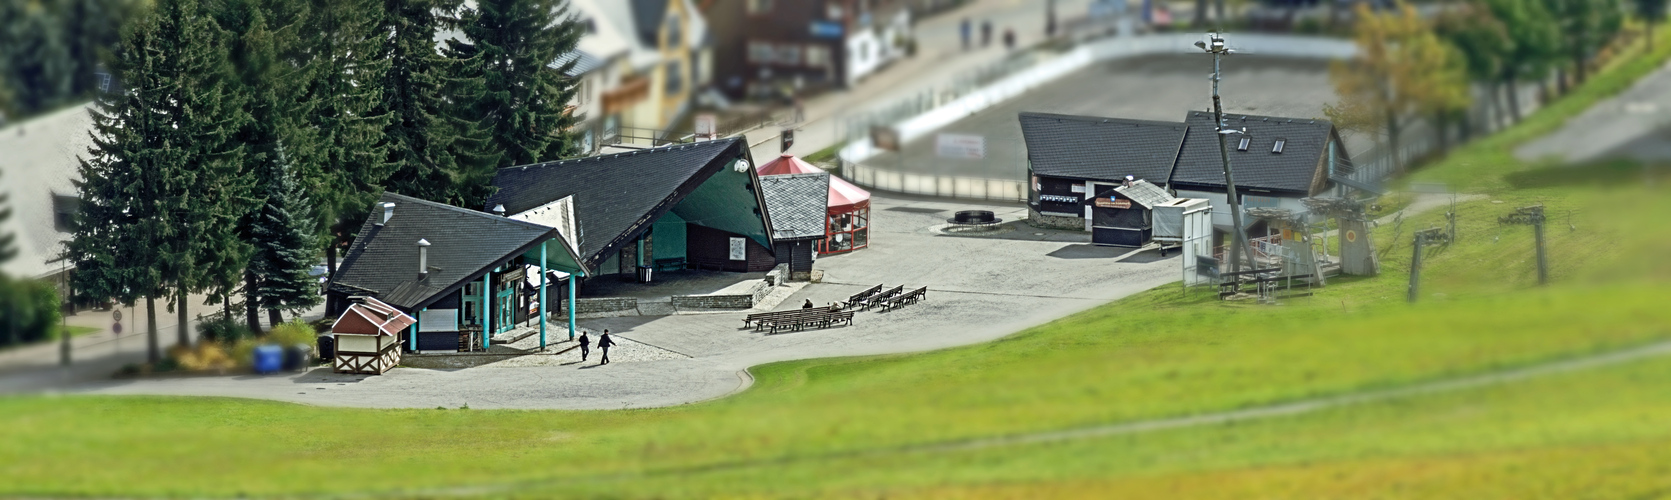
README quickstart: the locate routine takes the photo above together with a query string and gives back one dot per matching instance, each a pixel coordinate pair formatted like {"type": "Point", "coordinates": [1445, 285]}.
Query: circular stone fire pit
{"type": "Point", "coordinates": [973, 220]}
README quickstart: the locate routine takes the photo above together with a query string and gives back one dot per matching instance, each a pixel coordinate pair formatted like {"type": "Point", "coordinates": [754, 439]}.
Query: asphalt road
{"type": "Point", "coordinates": [1635, 124]}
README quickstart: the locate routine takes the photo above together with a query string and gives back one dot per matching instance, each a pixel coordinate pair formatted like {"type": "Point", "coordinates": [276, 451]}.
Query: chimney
{"type": "Point", "coordinates": [388, 211]}
{"type": "Point", "coordinates": [499, 210]}
{"type": "Point", "coordinates": [423, 258]}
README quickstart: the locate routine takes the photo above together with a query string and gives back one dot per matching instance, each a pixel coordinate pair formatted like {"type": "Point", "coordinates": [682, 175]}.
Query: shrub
{"type": "Point", "coordinates": [206, 356]}
{"type": "Point", "coordinates": [28, 311]}
{"type": "Point", "coordinates": [292, 333]}
{"type": "Point", "coordinates": [243, 351]}
{"type": "Point", "coordinates": [223, 330]}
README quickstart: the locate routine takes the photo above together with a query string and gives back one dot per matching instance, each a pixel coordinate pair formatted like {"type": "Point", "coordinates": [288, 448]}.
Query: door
{"type": "Point", "coordinates": [504, 308]}
{"type": "Point", "coordinates": [472, 300]}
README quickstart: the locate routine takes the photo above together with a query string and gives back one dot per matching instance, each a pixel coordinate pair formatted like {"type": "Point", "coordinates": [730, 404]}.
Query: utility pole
{"type": "Point", "coordinates": [1214, 44]}
{"type": "Point", "coordinates": [1425, 237]}
{"type": "Point", "coordinates": [1532, 216]}
{"type": "Point", "coordinates": [63, 322]}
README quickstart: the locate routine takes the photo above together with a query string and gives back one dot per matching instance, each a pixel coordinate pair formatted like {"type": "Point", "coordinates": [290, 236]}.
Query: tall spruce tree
{"type": "Point", "coordinates": [347, 161]}
{"type": "Point", "coordinates": [219, 189]}
{"type": "Point", "coordinates": [507, 86]}
{"type": "Point", "coordinates": [260, 35]}
{"type": "Point", "coordinates": [283, 232]}
{"type": "Point", "coordinates": [129, 176]}
{"type": "Point", "coordinates": [418, 130]}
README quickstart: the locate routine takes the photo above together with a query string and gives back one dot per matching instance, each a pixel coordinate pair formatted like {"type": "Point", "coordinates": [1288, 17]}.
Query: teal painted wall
{"type": "Point", "coordinates": [724, 202]}
{"type": "Point", "coordinates": [668, 237]}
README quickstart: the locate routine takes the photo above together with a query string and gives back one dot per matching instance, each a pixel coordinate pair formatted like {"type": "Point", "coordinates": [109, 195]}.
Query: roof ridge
{"type": "Point", "coordinates": [1099, 119]}
{"type": "Point", "coordinates": [657, 149]}
{"type": "Point", "coordinates": [466, 211]}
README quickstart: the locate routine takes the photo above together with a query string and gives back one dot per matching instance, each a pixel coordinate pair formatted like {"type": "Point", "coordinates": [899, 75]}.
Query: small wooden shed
{"type": "Point", "coordinates": [368, 337]}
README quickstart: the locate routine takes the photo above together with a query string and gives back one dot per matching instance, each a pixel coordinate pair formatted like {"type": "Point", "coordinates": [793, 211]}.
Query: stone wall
{"type": "Point", "coordinates": [729, 301]}
{"type": "Point", "coordinates": [602, 306]}
{"type": "Point", "coordinates": [1054, 221]}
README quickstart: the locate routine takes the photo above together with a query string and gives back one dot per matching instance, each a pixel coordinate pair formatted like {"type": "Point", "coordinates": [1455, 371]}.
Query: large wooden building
{"type": "Point", "coordinates": [630, 214]}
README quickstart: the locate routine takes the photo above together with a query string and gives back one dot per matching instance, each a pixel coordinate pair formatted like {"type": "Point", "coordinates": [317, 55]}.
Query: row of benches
{"type": "Point", "coordinates": [836, 314]}
{"type": "Point", "coordinates": [888, 300]}
{"type": "Point", "coordinates": [799, 319]}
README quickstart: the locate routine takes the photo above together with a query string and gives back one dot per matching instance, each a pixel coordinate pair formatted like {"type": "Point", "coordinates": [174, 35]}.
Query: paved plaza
{"type": "Point", "coordinates": [980, 288]}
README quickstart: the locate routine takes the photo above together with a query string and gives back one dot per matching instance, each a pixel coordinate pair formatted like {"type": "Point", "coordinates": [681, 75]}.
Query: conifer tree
{"type": "Point", "coordinates": [345, 163]}
{"type": "Point", "coordinates": [417, 128]}
{"type": "Point", "coordinates": [283, 232]}
{"type": "Point", "coordinates": [118, 243]}
{"type": "Point", "coordinates": [506, 85]}
{"type": "Point", "coordinates": [218, 194]}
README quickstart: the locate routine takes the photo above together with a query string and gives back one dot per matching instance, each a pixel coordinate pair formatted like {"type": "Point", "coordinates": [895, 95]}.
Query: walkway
{"type": "Point", "coordinates": [1630, 125]}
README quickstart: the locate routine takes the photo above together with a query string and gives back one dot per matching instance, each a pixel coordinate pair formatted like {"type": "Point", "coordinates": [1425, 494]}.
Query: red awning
{"type": "Point", "coordinates": [842, 193]}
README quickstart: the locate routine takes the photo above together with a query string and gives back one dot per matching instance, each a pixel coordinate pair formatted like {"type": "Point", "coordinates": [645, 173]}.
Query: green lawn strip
{"type": "Point", "coordinates": [1050, 378]}
{"type": "Point", "coordinates": [77, 331]}
{"type": "Point", "coordinates": [1440, 443]}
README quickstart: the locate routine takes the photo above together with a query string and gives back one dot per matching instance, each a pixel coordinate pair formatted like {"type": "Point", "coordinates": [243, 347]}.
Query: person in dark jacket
{"type": "Point", "coordinates": [585, 345]}
{"type": "Point", "coordinates": [603, 345]}
{"type": "Point", "coordinates": [807, 305]}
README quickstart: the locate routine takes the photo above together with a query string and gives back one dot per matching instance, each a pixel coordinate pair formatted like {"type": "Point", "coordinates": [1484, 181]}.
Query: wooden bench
{"type": "Point", "coordinates": [756, 318]}
{"type": "Point", "coordinates": [803, 320]}
{"type": "Point", "coordinates": [856, 298]}
{"type": "Point", "coordinates": [879, 298]}
{"type": "Point", "coordinates": [905, 299]}
{"type": "Point", "coordinates": [673, 264]}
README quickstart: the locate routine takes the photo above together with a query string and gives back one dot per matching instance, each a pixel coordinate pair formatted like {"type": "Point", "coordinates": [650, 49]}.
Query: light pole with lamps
{"type": "Point", "coordinates": [1214, 44]}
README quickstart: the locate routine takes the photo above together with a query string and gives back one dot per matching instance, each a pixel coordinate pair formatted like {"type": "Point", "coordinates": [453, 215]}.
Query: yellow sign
{"type": "Point", "coordinates": [1113, 203]}
{"type": "Point", "coordinates": [1351, 236]}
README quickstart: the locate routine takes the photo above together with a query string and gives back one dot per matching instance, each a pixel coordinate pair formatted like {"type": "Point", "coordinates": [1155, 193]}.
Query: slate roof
{"type": "Point", "coordinates": [1095, 148]}
{"type": "Point", "coordinates": [463, 244]}
{"type": "Point", "coordinates": [797, 203]}
{"type": "Point", "coordinates": [647, 16]}
{"type": "Point", "coordinates": [614, 194]}
{"type": "Point", "coordinates": [1291, 171]}
{"type": "Point", "coordinates": [1145, 193]}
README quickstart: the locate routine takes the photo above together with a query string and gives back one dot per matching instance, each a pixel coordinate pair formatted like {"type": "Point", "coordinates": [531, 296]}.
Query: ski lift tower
{"type": "Point", "coordinates": [1214, 44]}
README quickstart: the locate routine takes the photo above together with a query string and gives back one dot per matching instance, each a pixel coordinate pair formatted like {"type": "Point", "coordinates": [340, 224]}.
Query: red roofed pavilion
{"type": "Point", "coordinates": [847, 227]}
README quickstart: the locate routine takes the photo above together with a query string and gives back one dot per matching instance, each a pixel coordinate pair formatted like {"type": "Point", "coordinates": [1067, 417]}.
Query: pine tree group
{"type": "Point", "coordinates": [249, 135]}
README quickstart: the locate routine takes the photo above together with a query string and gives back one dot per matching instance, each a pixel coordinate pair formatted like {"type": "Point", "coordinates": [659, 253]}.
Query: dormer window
{"type": "Point", "coordinates": [1242, 145]}
{"type": "Point", "coordinates": [1280, 143]}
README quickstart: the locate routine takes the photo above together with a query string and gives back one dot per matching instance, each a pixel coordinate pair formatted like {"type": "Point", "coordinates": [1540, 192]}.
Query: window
{"type": "Point", "coordinates": [675, 77]}
{"type": "Point", "coordinates": [582, 91]}
{"type": "Point", "coordinates": [104, 81]}
{"type": "Point", "coordinates": [789, 55]}
{"type": "Point", "coordinates": [758, 7]}
{"type": "Point", "coordinates": [64, 209]}
{"type": "Point", "coordinates": [761, 52]}
{"type": "Point", "coordinates": [1280, 143]}
{"type": "Point", "coordinates": [1242, 146]}
{"type": "Point", "coordinates": [817, 56]}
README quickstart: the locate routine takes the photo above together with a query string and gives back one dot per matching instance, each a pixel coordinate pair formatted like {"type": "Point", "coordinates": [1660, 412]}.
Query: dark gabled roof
{"type": "Point", "coordinates": [798, 203]}
{"type": "Point", "coordinates": [647, 16]}
{"type": "Point", "coordinates": [1290, 171]}
{"type": "Point", "coordinates": [1095, 148]}
{"type": "Point", "coordinates": [463, 244]}
{"type": "Point", "coordinates": [614, 194]}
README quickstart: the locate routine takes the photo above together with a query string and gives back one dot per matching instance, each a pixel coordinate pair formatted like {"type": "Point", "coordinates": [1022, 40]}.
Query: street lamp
{"type": "Point", "coordinates": [1214, 44]}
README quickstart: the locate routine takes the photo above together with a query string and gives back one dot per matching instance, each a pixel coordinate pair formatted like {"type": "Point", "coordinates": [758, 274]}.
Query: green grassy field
{"type": "Point", "coordinates": [844, 428]}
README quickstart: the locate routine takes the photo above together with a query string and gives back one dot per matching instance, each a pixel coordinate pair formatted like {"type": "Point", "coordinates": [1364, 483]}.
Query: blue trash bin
{"type": "Point", "coordinates": [268, 359]}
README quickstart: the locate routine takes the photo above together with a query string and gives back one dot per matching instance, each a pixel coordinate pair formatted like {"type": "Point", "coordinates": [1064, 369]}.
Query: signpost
{"type": "Point", "coordinates": [787, 140]}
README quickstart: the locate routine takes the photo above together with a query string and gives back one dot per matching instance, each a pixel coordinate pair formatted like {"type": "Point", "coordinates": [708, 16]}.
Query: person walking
{"type": "Point", "coordinates": [986, 33]}
{"type": "Point", "coordinates": [965, 30]}
{"type": "Point", "coordinates": [604, 343]}
{"type": "Point", "coordinates": [585, 346]}
{"type": "Point", "coordinates": [1009, 39]}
